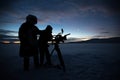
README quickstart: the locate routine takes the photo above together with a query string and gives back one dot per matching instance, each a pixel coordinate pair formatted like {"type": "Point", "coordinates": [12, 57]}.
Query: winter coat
{"type": "Point", "coordinates": [28, 40]}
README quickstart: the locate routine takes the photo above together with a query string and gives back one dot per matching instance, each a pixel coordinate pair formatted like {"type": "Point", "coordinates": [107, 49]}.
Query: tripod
{"type": "Point", "coordinates": [56, 47]}
{"type": "Point", "coordinates": [57, 39]}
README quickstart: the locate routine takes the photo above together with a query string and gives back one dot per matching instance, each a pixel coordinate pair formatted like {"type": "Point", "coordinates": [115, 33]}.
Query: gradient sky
{"type": "Point", "coordinates": [84, 19]}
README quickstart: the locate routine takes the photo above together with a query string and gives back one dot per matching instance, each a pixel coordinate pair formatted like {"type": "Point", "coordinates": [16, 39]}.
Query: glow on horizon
{"type": "Point", "coordinates": [10, 42]}
{"type": "Point", "coordinates": [16, 42]}
{"type": "Point", "coordinates": [5, 42]}
{"type": "Point", "coordinates": [78, 35]}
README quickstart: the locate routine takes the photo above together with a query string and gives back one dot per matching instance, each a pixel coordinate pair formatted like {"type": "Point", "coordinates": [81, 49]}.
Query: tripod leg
{"type": "Point", "coordinates": [52, 52]}
{"type": "Point", "coordinates": [60, 58]}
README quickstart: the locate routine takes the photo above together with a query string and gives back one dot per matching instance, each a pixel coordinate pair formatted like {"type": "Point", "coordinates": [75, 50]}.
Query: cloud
{"type": "Point", "coordinates": [73, 39]}
{"type": "Point", "coordinates": [100, 37]}
{"type": "Point", "coordinates": [105, 32]}
{"type": "Point", "coordinates": [7, 34]}
{"type": "Point", "coordinates": [3, 31]}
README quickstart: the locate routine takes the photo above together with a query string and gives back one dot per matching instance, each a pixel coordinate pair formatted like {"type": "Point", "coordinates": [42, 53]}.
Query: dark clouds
{"type": "Point", "coordinates": [2, 31]}
{"type": "Point", "coordinates": [7, 34]}
{"type": "Point", "coordinates": [105, 32]}
{"type": "Point", "coordinates": [60, 5]}
{"type": "Point", "coordinates": [58, 8]}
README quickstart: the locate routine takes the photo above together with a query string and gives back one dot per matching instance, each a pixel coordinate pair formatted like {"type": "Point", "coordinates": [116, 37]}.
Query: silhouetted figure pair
{"type": "Point", "coordinates": [28, 41]}
{"type": "Point", "coordinates": [29, 44]}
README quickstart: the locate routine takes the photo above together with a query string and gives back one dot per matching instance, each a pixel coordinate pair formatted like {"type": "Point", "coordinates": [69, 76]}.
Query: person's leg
{"type": "Point", "coordinates": [35, 57]}
{"type": "Point", "coordinates": [26, 63]}
{"type": "Point", "coordinates": [41, 56]}
{"type": "Point", "coordinates": [48, 58]}
{"type": "Point", "coordinates": [36, 61]}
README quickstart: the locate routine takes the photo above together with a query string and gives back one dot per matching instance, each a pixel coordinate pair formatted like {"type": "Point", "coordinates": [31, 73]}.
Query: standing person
{"type": "Point", "coordinates": [45, 36]}
{"type": "Point", "coordinates": [28, 41]}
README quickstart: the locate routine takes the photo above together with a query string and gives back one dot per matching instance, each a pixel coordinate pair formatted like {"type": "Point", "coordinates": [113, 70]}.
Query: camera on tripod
{"type": "Point", "coordinates": [59, 38]}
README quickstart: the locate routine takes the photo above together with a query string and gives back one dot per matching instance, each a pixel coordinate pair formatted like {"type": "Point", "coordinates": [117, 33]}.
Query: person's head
{"type": "Point", "coordinates": [31, 19]}
{"type": "Point", "coordinates": [49, 28]}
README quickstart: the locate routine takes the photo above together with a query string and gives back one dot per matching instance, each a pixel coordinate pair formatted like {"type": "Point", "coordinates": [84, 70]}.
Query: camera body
{"type": "Point", "coordinates": [59, 38]}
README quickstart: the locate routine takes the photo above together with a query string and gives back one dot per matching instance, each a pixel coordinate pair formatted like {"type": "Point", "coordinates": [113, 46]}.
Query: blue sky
{"type": "Point", "coordinates": [84, 19]}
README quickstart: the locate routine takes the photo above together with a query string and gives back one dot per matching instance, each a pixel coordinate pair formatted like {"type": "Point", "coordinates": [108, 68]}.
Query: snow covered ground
{"type": "Point", "coordinates": [83, 62]}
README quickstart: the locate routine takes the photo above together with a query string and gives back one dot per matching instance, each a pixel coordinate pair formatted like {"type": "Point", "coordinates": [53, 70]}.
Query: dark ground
{"type": "Point", "coordinates": [83, 62]}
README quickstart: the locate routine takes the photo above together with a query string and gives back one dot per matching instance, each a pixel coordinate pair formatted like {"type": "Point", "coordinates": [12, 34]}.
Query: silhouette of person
{"type": "Point", "coordinates": [45, 36]}
{"type": "Point", "coordinates": [28, 41]}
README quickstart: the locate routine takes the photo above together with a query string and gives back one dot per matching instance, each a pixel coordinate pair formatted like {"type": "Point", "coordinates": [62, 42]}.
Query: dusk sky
{"type": "Point", "coordinates": [84, 19]}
